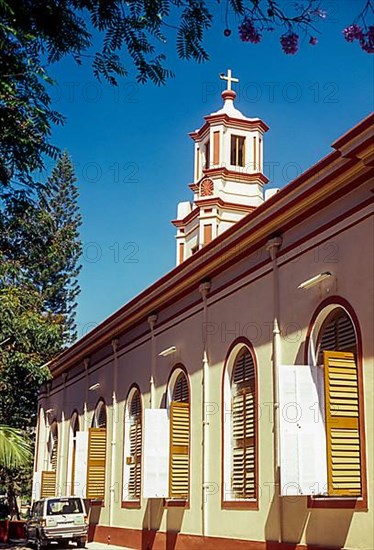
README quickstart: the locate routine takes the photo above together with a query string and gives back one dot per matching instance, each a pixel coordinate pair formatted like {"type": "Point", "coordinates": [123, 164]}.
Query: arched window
{"type": "Point", "coordinates": [48, 477]}
{"type": "Point", "coordinates": [337, 333]}
{"type": "Point", "coordinates": [179, 410]}
{"type": "Point", "coordinates": [53, 446]}
{"type": "Point", "coordinates": [96, 462]}
{"type": "Point", "coordinates": [243, 421]}
{"type": "Point", "coordinates": [334, 346]}
{"type": "Point", "coordinates": [240, 427]}
{"type": "Point", "coordinates": [99, 417]}
{"type": "Point", "coordinates": [133, 447]}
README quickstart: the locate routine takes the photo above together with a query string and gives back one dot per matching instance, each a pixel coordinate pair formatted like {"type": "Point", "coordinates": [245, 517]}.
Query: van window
{"type": "Point", "coordinates": [64, 506]}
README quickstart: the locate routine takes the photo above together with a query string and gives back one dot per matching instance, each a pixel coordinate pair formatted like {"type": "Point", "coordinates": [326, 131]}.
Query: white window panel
{"type": "Point", "coordinates": [36, 486]}
{"type": "Point", "coordinates": [80, 471]}
{"type": "Point", "coordinates": [156, 453]}
{"type": "Point", "coordinates": [302, 431]}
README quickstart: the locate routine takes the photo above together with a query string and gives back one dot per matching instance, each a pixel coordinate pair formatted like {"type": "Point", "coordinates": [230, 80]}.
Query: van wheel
{"type": "Point", "coordinates": [81, 543]}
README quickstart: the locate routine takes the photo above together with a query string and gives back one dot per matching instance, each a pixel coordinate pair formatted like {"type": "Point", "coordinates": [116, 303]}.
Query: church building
{"type": "Point", "coordinates": [230, 404]}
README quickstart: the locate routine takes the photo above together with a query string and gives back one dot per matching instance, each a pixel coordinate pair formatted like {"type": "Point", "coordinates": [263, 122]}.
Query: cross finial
{"type": "Point", "coordinates": [229, 78]}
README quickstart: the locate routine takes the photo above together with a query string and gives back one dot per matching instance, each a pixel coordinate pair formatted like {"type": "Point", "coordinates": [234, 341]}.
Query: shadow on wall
{"type": "Point", "coordinates": [330, 526]}
{"type": "Point", "coordinates": [174, 519]}
{"type": "Point", "coordinates": [151, 522]}
{"type": "Point", "coordinates": [323, 528]}
{"type": "Point", "coordinates": [94, 512]}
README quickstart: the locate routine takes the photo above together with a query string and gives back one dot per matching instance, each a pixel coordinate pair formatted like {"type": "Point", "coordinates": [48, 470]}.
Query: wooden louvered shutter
{"type": "Point", "coordinates": [243, 478]}
{"type": "Point", "coordinates": [54, 455]}
{"type": "Point", "coordinates": [101, 417]}
{"type": "Point", "coordinates": [342, 424]}
{"type": "Point", "coordinates": [179, 449]}
{"type": "Point", "coordinates": [181, 392]}
{"type": "Point", "coordinates": [238, 458]}
{"type": "Point", "coordinates": [338, 334]}
{"type": "Point", "coordinates": [48, 484]}
{"type": "Point", "coordinates": [53, 444]}
{"type": "Point", "coordinates": [96, 463]}
{"type": "Point", "coordinates": [135, 458]}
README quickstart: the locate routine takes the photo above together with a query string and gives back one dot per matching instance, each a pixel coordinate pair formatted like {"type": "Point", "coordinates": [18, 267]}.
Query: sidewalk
{"type": "Point", "coordinates": [100, 546]}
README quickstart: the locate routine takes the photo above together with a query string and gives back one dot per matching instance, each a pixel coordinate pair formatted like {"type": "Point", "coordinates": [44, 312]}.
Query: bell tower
{"type": "Point", "coordinates": [228, 175]}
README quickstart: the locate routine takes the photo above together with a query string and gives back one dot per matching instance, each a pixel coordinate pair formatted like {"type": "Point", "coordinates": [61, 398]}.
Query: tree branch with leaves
{"type": "Point", "coordinates": [134, 33]}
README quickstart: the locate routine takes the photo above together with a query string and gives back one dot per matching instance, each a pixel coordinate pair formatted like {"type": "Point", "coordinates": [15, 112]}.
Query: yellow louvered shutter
{"type": "Point", "coordinates": [96, 463]}
{"type": "Point", "coordinates": [179, 449]}
{"type": "Point", "coordinates": [135, 458]}
{"type": "Point", "coordinates": [243, 477]}
{"type": "Point", "coordinates": [342, 424]}
{"type": "Point", "coordinates": [48, 484]}
{"type": "Point", "coordinates": [244, 452]}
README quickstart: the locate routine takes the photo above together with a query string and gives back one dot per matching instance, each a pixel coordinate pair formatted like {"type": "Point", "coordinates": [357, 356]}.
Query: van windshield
{"type": "Point", "coordinates": [61, 506]}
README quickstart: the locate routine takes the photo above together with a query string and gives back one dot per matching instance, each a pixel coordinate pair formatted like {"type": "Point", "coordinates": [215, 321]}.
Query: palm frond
{"type": "Point", "coordinates": [15, 449]}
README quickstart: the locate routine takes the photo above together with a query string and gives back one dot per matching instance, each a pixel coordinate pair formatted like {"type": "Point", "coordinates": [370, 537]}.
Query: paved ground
{"type": "Point", "coordinates": [89, 546]}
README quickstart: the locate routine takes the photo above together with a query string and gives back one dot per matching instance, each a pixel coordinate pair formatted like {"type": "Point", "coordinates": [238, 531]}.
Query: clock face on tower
{"type": "Point", "coordinates": [206, 187]}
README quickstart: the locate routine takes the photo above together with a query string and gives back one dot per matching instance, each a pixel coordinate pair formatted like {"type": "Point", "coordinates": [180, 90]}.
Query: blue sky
{"type": "Point", "coordinates": [133, 155]}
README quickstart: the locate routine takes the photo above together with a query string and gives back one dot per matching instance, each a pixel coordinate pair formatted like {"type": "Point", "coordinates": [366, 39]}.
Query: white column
{"type": "Point", "coordinates": [204, 290]}
{"type": "Point", "coordinates": [114, 432]}
{"type": "Point", "coordinates": [273, 246]}
{"type": "Point", "coordinates": [152, 320]}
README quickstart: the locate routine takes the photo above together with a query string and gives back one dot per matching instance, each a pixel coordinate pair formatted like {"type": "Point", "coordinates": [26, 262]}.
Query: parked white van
{"type": "Point", "coordinates": [60, 519]}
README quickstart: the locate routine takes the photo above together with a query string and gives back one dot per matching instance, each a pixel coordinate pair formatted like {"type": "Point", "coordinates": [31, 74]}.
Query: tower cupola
{"type": "Point", "coordinates": [228, 174]}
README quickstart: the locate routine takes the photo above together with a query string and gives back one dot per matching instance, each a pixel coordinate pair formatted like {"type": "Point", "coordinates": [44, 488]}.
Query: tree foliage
{"type": "Point", "coordinates": [35, 33]}
{"type": "Point", "coordinates": [16, 457]}
{"type": "Point", "coordinates": [39, 255]}
{"type": "Point", "coordinates": [41, 246]}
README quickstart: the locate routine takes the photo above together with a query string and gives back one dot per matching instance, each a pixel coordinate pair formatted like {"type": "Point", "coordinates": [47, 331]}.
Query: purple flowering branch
{"type": "Point", "coordinates": [261, 16]}
{"type": "Point", "coordinates": [264, 15]}
{"type": "Point", "coordinates": [360, 30]}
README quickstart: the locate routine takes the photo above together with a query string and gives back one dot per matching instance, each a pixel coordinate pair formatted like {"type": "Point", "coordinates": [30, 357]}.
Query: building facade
{"type": "Point", "coordinates": [230, 404]}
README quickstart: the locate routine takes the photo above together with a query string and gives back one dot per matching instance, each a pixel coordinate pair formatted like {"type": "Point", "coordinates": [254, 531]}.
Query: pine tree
{"type": "Point", "coordinates": [58, 274]}
{"type": "Point", "coordinates": [40, 239]}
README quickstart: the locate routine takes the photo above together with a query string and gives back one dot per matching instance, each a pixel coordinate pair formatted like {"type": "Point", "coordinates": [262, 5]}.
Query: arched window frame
{"type": "Point", "coordinates": [127, 500]}
{"type": "Point", "coordinates": [99, 409]}
{"type": "Point", "coordinates": [174, 375]}
{"type": "Point", "coordinates": [48, 483]}
{"type": "Point", "coordinates": [324, 310]}
{"type": "Point", "coordinates": [52, 446]}
{"type": "Point", "coordinates": [227, 499]}
{"type": "Point", "coordinates": [97, 454]}
{"type": "Point", "coordinates": [176, 372]}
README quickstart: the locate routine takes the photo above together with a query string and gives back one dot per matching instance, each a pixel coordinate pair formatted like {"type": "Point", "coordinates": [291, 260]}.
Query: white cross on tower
{"type": "Point", "coordinates": [229, 78]}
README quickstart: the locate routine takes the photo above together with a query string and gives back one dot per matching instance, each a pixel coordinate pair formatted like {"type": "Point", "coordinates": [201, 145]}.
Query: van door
{"type": "Point", "coordinates": [65, 515]}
